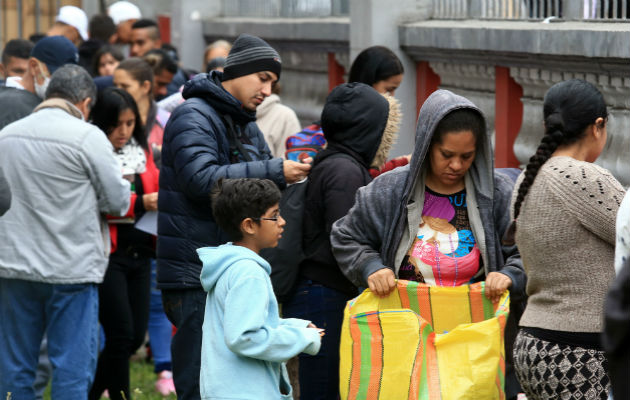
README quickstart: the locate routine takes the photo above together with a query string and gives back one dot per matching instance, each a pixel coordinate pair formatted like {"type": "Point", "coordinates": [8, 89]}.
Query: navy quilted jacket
{"type": "Point", "coordinates": [195, 154]}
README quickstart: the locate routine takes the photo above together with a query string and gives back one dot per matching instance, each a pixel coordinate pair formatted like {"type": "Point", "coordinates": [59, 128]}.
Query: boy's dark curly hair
{"type": "Point", "coordinates": [233, 200]}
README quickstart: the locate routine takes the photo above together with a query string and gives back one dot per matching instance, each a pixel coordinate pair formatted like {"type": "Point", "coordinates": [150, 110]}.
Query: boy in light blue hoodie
{"type": "Point", "coordinates": [245, 342]}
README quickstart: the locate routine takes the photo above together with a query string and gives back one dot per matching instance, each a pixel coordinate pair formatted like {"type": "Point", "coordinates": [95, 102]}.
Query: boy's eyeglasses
{"type": "Point", "coordinates": [275, 219]}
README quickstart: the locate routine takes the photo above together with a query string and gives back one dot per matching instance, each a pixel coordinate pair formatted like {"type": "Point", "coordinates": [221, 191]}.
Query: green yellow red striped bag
{"type": "Point", "coordinates": [424, 343]}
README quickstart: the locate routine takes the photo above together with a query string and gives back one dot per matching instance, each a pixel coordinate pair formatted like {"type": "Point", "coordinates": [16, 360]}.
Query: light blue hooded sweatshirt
{"type": "Point", "coordinates": [245, 342]}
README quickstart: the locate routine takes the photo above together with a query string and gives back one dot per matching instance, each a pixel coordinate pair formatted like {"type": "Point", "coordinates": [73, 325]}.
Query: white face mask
{"type": "Point", "coordinates": [40, 90]}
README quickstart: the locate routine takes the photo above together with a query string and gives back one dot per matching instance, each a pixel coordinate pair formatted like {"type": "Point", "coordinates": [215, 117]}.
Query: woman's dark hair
{"type": "Point", "coordinates": [107, 49]}
{"type": "Point", "coordinates": [109, 104]}
{"type": "Point", "coordinates": [569, 108]}
{"type": "Point", "coordinates": [375, 64]}
{"type": "Point", "coordinates": [463, 119]}
{"type": "Point", "coordinates": [139, 69]}
{"type": "Point", "coordinates": [159, 60]}
{"type": "Point", "coordinates": [233, 200]}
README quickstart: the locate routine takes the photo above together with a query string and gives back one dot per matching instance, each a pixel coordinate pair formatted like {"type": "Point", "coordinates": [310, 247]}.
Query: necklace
{"type": "Point", "coordinates": [436, 256]}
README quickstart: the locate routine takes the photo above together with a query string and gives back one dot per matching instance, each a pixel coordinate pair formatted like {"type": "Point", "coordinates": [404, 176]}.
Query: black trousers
{"type": "Point", "coordinates": [124, 313]}
{"type": "Point", "coordinates": [185, 309]}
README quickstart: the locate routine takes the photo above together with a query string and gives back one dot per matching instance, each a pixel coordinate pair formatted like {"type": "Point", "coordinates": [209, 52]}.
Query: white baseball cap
{"type": "Point", "coordinates": [76, 17]}
{"type": "Point", "coordinates": [122, 11]}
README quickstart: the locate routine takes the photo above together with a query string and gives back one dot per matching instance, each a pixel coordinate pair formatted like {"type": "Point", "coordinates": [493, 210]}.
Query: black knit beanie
{"type": "Point", "coordinates": [251, 54]}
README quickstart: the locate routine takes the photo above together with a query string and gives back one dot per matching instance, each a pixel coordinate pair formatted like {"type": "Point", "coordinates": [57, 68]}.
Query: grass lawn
{"type": "Point", "coordinates": [142, 379]}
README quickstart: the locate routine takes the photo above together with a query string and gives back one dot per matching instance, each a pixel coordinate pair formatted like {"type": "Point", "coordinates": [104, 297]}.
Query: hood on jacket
{"type": "Point", "coordinates": [267, 105]}
{"type": "Point", "coordinates": [62, 104]}
{"type": "Point", "coordinates": [217, 260]}
{"type": "Point", "coordinates": [358, 118]}
{"type": "Point", "coordinates": [209, 88]}
{"type": "Point", "coordinates": [435, 108]}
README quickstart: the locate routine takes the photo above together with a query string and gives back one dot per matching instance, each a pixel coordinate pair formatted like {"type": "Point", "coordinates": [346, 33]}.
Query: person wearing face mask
{"type": "Point", "coordinates": [22, 94]}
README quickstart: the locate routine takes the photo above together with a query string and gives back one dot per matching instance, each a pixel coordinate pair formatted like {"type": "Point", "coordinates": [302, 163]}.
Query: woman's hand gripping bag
{"type": "Point", "coordinates": [424, 343]}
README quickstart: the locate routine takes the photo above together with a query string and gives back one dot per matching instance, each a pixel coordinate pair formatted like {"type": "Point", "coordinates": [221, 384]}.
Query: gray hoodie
{"type": "Point", "coordinates": [379, 229]}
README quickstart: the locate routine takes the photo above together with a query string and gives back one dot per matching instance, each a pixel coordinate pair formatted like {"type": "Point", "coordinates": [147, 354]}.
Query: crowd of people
{"type": "Point", "coordinates": [136, 196]}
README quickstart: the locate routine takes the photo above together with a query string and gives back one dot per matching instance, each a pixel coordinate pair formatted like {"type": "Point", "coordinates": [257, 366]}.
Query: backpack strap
{"type": "Point", "coordinates": [236, 146]}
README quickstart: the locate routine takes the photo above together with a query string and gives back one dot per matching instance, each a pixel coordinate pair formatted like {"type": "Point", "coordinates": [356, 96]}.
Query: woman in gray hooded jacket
{"type": "Point", "coordinates": [439, 219]}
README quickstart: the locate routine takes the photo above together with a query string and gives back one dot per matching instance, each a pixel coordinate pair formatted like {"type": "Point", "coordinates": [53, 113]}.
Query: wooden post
{"type": "Point", "coordinates": [335, 72]}
{"type": "Point", "coordinates": [508, 117]}
{"type": "Point", "coordinates": [427, 82]}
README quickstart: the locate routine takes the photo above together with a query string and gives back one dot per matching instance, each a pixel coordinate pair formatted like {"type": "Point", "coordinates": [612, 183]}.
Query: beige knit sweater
{"type": "Point", "coordinates": [566, 238]}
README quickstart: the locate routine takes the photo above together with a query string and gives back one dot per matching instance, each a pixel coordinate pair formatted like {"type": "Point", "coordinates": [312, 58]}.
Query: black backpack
{"type": "Point", "coordinates": [285, 259]}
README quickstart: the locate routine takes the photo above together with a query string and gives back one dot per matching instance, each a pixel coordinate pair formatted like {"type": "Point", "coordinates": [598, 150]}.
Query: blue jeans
{"type": "Point", "coordinates": [68, 314]}
{"type": "Point", "coordinates": [323, 306]}
{"type": "Point", "coordinates": [185, 308]}
{"type": "Point", "coordinates": [160, 328]}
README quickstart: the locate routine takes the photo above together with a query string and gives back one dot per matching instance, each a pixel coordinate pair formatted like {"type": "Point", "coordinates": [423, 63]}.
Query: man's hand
{"type": "Point", "coordinates": [294, 171]}
{"type": "Point", "coordinates": [496, 284]}
{"type": "Point", "coordinates": [382, 282]}
{"type": "Point", "coordinates": [150, 201]}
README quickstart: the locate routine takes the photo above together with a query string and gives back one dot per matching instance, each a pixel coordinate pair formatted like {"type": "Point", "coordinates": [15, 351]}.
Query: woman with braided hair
{"type": "Point", "coordinates": [564, 210]}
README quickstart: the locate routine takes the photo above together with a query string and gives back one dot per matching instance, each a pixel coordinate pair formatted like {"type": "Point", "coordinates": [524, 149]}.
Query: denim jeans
{"type": "Point", "coordinates": [68, 314]}
{"type": "Point", "coordinates": [185, 309]}
{"type": "Point", "coordinates": [160, 328]}
{"type": "Point", "coordinates": [323, 306]}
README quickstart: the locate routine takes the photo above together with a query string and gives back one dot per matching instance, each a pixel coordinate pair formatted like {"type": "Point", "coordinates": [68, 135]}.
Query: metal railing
{"type": "Point", "coordinates": [22, 18]}
{"type": "Point", "coordinates": [606, 9]}
{"type": "Point", "coordinates": [285, 8]}
{"type": "Point", "coordinates": [532, 9]}
{"type": "Point", "coordinates": [447, 9]}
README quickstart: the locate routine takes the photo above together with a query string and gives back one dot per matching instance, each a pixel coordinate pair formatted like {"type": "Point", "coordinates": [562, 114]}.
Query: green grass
{"type": "Point", "coordinates": [142, 380]}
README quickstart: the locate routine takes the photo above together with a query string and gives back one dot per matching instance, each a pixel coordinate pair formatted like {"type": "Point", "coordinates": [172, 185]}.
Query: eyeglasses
{"type": "Point", "coordinates": [275, 219]}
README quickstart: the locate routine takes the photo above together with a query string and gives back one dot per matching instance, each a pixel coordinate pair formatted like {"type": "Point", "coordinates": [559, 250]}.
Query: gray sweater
{"type": "Point", "coordinates": [566, 237]}
{"type": "Point", "coordinates": [381, 225]}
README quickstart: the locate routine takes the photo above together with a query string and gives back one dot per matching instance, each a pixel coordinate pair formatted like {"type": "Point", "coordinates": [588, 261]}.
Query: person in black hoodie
{"type": "Point", "coordinates": [360, 126]}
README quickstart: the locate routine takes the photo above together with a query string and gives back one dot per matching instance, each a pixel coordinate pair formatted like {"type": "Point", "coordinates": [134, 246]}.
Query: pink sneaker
{"type": "Point", "coordinates": [164, 384]}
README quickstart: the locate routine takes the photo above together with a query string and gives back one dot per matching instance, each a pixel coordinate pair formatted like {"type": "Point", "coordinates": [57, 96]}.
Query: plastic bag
{"type": "Point", "coordinates": [424, 343]}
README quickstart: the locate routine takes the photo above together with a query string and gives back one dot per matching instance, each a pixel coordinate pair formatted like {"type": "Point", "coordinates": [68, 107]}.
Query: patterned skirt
{"type": "Point", "coordinates": [549, 370]}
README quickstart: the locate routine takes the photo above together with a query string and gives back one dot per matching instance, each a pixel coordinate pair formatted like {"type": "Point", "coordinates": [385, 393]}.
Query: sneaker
{"type": "Point", "coordinates": [164, 384]}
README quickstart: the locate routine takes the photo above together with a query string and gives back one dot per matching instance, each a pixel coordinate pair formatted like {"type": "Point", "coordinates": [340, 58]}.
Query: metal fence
{"type": "Point", "coordinates": [285, 8]}
{"type": "Point", "coordinates": [22, 18]}
{"type": "Point", "coordinates": [606, 9]}
{"type": "Point", "coordinates": [532, 9]}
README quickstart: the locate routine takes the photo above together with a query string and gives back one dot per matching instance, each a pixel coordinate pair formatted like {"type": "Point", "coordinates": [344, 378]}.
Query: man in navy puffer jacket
{"type": "Point", "coordinates": [212, 135]}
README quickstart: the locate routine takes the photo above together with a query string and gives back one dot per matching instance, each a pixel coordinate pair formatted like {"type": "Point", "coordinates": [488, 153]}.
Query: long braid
{"type": "Point", "coordinates": [569, 108]}
{"type": "Point", "coordinates": [554, 137]}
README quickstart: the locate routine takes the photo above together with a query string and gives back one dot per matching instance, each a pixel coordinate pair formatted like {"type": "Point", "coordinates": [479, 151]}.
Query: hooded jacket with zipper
{"type": "Point", "coordinates": [245, 342]}
{"type": "Point", "coordinates": [360, 126]}
{"type": "Point", "coordinates": [381, 226]}
{"type": "Point", "coordinates": [195, 154]}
